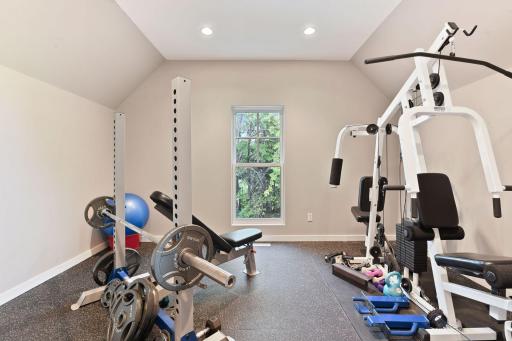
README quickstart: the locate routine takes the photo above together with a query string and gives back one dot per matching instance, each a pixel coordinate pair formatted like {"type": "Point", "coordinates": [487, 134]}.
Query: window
{"type": "Point", "coordinates": [257, 165]}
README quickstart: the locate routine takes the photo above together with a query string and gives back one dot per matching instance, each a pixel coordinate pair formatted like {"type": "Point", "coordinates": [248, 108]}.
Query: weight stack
{"type": "Point", "coordinates": [410, 254]}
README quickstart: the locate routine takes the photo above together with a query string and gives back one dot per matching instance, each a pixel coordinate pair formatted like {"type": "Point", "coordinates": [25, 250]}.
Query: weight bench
{"type": "Point", "coordinates": [228, 246]}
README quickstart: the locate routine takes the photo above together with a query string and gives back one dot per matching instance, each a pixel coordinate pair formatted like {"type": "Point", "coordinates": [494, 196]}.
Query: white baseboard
{"type": "Point", "coordinates": [33, 282]}
{"type": "Point", "coordinates": [316, 238]}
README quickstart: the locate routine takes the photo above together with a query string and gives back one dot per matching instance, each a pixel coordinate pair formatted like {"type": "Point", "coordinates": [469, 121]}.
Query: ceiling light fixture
{"type": "Point", "coordinates": [309, 31]}
{"type": "Point", "coordinates": [207, 31]}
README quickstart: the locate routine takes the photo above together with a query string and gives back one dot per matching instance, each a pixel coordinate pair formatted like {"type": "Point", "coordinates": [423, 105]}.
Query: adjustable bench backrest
{"type": "Point", "coordinates": [437, 207]}
{"type": "Point", "coordinates": [219, 242]}
{"type": "Point", "coordinates": [164, 205]}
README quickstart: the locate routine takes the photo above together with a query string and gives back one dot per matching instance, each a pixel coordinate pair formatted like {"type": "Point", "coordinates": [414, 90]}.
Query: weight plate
{"type": "Point", "coordinates": [109, 293]}
{"type": "Point", "coordinates": [149, 294]}
{"type": "Point", "coordinates": [93, 212]}
{"type": "Point", "coordinates": [125, 316]}
{"type": "Point", "coordinates": [118, 292]}
{"type": "Point", "coordinates": [105, 265]}
{"type": "Point", "coordinates": [166, 265]}
{"type": "Point", "coordinates": [163, 336]}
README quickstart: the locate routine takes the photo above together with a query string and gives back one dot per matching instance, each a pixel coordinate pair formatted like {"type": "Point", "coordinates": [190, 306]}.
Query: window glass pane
{"type": "Point", "coordinates": [246, 150]}
{"type": "Point", "coordinates": [270, 150]}
{"type": "Point", "coordinates": [246, 124]}
{"type": "Point", "coordinates": [270, 124]}
{"type": "Point", "coordinates": [258, 192]}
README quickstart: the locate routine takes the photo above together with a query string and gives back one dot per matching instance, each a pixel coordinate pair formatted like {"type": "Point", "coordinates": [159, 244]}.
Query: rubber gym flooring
{"type": "Point", "coordinates": [294, 298]}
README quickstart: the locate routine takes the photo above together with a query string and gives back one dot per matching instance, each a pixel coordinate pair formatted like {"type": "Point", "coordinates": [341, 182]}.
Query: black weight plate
{"type": "Point", "coordinates": [166, 265]}
{"type": "Point", "coordinates": [109, 293]}
{"type": "Point", "coordinates": [105, 265]}
{"type": "Point", "coordinates": [118, 292]}
{"type": "Point", "coordinates": [93, 212]}
{"type": "Point", "coordinates": [151, 306]}
{"type": "Point", "coordinates": [125, 316]}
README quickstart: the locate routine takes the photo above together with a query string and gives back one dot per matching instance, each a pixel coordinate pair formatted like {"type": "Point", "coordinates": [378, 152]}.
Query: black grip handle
{"type": "Point", "coordinates": [508, 188]}
{"type": "Point", "coordinates": [393, 187]}
{"type": "Point", "coordinates": [336, 166]}
{"type": "Point", "coordinates": [496, 207]}
{"type": "Point", "coordinates": [491, 66]}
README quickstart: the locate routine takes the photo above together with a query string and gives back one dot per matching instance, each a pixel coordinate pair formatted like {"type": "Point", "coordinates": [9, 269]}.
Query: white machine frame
{"type": "Point", "coordinates": [414, 163]}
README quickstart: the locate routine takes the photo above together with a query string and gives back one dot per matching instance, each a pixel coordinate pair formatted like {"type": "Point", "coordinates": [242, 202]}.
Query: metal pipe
{"type": "Point", "coordinates": [152, 237]}
{"type": "Point", "coordinates": [219, 275]}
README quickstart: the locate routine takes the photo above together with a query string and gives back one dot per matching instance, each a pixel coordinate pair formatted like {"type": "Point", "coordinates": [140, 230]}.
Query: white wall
{"type": "Point", "coordinates": [416, 23]}
{"type": "Point", "coordinates": [318, 97]}
{"type": "Point", "coordinates": [56, 155]}
{"type": "Point", "coordinates": [88, 47]}
{"type": "Point", "coordinates": [450, 147]}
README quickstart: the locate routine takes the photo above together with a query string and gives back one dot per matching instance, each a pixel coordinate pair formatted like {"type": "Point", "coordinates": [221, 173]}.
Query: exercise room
{"type": "Point", "coordinates": [187, 170]}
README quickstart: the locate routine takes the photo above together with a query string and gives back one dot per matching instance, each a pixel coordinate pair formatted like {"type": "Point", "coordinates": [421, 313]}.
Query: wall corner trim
{"type": "Point", "coordinates": [33, 282]}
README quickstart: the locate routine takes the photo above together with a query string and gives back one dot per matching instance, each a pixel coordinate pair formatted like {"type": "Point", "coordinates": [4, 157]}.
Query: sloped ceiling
{"type": "Point", "coordinates": [416, 23]}
{"type": "Point", "coordinates": [88, 47]}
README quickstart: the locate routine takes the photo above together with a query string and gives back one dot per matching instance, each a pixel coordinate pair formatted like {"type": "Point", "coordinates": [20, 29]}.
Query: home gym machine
{"type": "Point", "coordinates": [180, 258]}
{"type": "Point", "coordinates": [377, 248]}
{"type": "Point", "coordinates": [430, 215]}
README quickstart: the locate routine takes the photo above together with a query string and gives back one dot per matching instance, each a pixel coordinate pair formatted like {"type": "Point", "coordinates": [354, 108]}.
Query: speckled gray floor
{"type": "Point", "coordinates": [294, 298]}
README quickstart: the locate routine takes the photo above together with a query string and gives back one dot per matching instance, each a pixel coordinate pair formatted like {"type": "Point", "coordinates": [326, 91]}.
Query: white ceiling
{"type": "Point", "coordinates": [257, 30]}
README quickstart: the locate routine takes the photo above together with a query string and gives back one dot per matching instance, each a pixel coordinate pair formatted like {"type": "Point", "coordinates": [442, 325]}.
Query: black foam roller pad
{"type": "Point", "coordinates": [336, 166]}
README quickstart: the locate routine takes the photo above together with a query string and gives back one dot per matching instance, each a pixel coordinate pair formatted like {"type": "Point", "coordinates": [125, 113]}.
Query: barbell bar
{"type": "Point", "coordinates": [166, 257]}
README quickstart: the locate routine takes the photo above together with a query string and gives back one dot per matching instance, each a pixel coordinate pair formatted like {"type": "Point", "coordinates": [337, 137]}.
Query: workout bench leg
{"type": "Point", "coordinates": [250, 262]}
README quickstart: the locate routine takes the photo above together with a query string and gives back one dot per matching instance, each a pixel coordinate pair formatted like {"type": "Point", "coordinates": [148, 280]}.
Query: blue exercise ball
{"type": "Point", "coordinates": [136, 212]}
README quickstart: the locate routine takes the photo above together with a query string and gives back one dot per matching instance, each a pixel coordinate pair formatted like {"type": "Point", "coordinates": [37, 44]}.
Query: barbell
{"type": "Point", "coordinates": [181, 257]}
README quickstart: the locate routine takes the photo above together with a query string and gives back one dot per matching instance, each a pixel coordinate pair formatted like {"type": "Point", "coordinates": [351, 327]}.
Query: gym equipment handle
{"type": "Point", "coordinates": [496, 207]}
{"type": "Point", "coordinates": [393, 188]}
{"type": "Point", "coordinates": [508, 188]}
{"type": "Point", "coordinates": [219, 275]}
{"type": "Point", "coordinates": [440, 56]}
{"type": "Point", "coordinates": [336, 166]}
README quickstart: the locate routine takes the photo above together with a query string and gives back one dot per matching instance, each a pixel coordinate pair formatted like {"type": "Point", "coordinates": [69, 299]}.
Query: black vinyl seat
{"type": "Point", "coordinates": [437, 209]}
{"type": "Point", "coordinates": [362, 216]}
{"type": "Point", "coordinates": [225, 242]}
{"type": "Point", "coordinates": [242, 236]}
{"type": "Point", "coordinates": [496, 270]}
{"type": "Point", "coordinates": [470, 261]}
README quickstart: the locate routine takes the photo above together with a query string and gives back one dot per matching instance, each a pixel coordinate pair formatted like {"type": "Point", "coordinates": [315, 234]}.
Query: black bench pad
{"type": "Point", "coordinates": [242, 236]}
{"type": "Point", "coordinates": [497, 270]}
{"type": "Point", "coordinates": [362, 216]}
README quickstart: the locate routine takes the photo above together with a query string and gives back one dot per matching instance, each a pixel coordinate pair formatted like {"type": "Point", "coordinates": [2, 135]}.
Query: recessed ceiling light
{"type": "Point", "coordinates": [207, 31]}
{"type": "Point", "coordinates": [309, 31]}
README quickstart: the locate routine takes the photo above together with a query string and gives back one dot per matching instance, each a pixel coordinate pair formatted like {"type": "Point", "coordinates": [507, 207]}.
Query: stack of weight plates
{"type": "Point", "coordinates": [410, 254]}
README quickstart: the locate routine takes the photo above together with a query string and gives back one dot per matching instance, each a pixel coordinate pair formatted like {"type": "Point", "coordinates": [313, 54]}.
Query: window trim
{"type": "Point", "coordinates": [257, 221]}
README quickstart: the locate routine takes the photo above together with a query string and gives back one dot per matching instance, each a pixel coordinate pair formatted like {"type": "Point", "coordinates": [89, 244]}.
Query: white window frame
{"type": "Point", "coordinates": [256, 221]}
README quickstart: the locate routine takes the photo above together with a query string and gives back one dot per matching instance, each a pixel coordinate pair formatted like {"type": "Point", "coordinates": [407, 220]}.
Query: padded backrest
{"type": "Point", "coordinates": [365, 184]}
{"type": "Point", "coordinates": [436, 203]}
{"type": "Point", "coordinates": [219, 242]}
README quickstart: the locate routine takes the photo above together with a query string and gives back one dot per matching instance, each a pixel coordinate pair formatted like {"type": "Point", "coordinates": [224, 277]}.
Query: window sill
{"type": "Point", "coordinates": [258, 224]}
